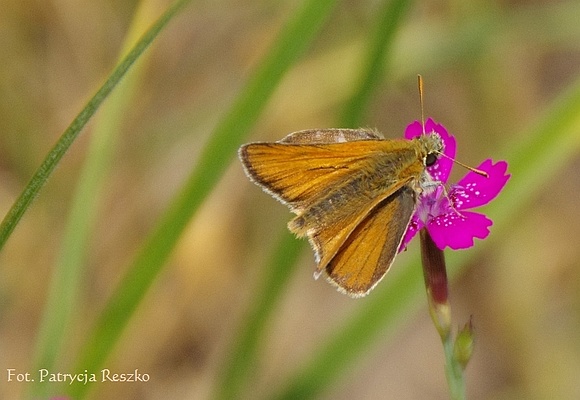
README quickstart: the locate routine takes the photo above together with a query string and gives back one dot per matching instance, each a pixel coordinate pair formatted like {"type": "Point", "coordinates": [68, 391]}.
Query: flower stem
{"type": "Point", "coordinates": [457, 352]}
{"type": "Point", "coordinates": [453, 370]}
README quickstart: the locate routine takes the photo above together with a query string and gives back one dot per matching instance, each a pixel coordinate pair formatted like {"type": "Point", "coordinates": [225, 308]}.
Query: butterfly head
{"type": "Point", "coordinates": [431, 146]}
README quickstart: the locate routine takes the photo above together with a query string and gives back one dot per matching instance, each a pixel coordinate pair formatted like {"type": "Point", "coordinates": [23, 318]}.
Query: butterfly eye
{"type": "Point", "coordinates": [430, 159]}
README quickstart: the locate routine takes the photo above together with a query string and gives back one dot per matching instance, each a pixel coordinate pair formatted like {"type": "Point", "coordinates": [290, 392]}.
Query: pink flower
{"type": "Point", "coordinates": [444, 214]}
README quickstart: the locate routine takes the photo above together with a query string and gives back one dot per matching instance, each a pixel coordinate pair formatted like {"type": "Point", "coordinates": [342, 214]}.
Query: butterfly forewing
{"type": "Point", "coordinates": [288, 171]}
{"type": "Point", "coordinates": [294, 174]}
{"type": "Point", "coordinates": [298, 174]}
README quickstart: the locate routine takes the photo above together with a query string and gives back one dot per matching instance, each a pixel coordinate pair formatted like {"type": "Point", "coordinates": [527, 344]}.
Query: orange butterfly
{"type": "Point", "coordinates": [353, 193]}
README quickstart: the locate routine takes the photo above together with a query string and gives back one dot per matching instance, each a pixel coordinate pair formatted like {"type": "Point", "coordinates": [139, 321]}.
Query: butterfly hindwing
{"type": "Point", "coordinates": [327, 231]}
{"type": "Point", "coordinates": [325, 136]}
{"type": "Point", "coordinates": [368, 252]}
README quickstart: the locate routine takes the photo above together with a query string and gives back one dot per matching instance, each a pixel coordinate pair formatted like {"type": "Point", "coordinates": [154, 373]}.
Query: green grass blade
{"type": "Point", "coordinates": [377, 62]}
{"type": "Point", "coordinates": [548, 146]}
{"type": "Point", "coordinates": [70, 134]}
{"type": "Point", "coordinates": [66, 280]}
{"type": "Point", "coordinates": [222, 146]}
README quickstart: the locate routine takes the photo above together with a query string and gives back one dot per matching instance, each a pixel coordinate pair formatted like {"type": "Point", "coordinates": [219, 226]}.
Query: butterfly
{"type": "Point", "coordinates": [353, 193]}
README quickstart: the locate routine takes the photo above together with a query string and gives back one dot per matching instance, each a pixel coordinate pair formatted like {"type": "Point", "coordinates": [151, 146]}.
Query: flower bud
{"type": "Point", "coordinates": [463, 347]}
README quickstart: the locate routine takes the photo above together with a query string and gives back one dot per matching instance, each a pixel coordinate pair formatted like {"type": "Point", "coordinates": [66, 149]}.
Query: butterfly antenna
{"type": "Point", "coordinates": [420, 86]}
{"type": "Point", "coordinates": [477, 171]}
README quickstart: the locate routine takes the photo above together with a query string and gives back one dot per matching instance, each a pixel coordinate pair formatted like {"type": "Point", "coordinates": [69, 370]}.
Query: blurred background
{"type": "Point", "coordinates": [491, 70]}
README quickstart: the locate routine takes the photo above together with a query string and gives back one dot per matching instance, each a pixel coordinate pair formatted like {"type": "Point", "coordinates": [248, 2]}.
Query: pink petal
{"type": "Point", "coordinates": [458, 230]}
{"type": "Point", "coordinates": [442, 168]}
{"type": "Point", "coordinates": [414, 226]}
{"type": "Point", "coordinates": [413, 130]}
{"type": "Point", "coordinates": [475, 190]}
